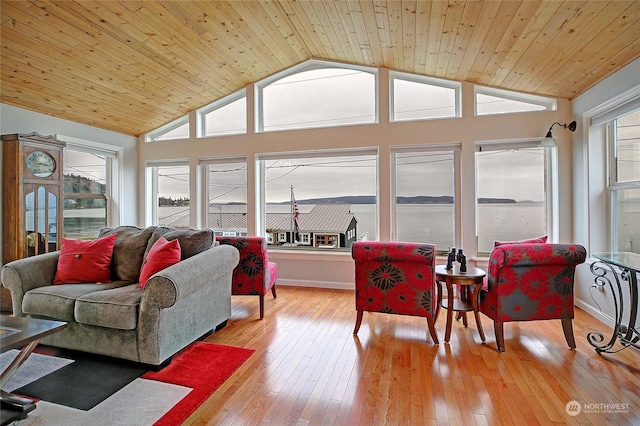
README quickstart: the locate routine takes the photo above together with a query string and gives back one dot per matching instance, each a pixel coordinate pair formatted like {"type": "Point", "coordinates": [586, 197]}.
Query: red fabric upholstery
{"type": "Point", "coordinates": [395, 278]}
{"type": "Point", "coordinates": [528, 282]}
{"type": "Point", "coordinates": [254, 275]}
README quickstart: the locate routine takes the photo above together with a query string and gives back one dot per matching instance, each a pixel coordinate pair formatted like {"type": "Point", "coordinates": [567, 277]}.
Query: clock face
{"type": "Point", "coordinates": [41, 163]}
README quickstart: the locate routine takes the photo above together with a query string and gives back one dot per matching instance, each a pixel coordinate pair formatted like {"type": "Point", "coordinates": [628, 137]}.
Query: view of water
{"type": "Point", "coordinates": [431, 223]}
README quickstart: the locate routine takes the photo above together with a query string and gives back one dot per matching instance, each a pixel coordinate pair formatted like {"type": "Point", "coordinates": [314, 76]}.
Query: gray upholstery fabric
{"type": "Point", "coordinates": [128, 251]}
{"type": "Point", "coordinates": [192, 241]}
{"type": "Point", "coordinates": [58, 301]}
{"type": "Point", "coordinates": [177, 306]}
{"type": "Point", "coordinates": [113, 308]}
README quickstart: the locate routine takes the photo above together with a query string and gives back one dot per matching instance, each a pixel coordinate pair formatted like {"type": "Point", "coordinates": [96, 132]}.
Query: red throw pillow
{"type": "Point", "coordinates": [85, 261]}
{"type": "Point", "coordinates": [163, 254]}
{"type": "Point", "coordinates": [539, 240]}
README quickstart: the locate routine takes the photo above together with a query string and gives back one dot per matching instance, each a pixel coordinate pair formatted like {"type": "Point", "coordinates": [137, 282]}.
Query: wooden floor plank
{"type": "Point", "coordinates": [308, 369]}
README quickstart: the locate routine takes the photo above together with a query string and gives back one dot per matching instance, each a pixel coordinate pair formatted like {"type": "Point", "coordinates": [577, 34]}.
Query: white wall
{"type": "Point", "coordinates": [17, 120]}
{"type": "Point", "coordinates": [590, 226]}
{"type": "Point", "coordinates": [336, 269]}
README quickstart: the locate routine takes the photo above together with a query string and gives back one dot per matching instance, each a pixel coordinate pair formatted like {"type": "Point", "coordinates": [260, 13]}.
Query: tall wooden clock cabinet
{"type": "Point", "coordinates": [32, 200]}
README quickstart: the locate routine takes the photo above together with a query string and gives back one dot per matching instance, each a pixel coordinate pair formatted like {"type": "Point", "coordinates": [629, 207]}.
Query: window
{"type": "Point", "coordinates": [334, 192]}
{"type": "Point", "coordinates": [225, 117]}
{"type": "Point", "coordinates": [318, 97]}
{"type": "Point", "coordinates": [514, 185]}
{"type": "Point", "coordinates": [86, 192]}
{"type": "Point", "coordinates": [415, 98]}
{"type": "Point", "coordinates": [425, 196]}
{"type": "Point", "coordinates": [226, 183]}
{"type": "Point", "coordinates": [625, 182]}
{"type": "Point", "coordinates": [177, 129]}
{"type": "Point", "coordinates": [170, 191]}
{"type": "Point", "coordinates": [496, 101]}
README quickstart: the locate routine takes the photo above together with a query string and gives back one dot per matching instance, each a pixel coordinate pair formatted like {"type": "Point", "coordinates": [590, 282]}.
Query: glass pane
{"type": "Point", "coordinates": [173, 196]}
{"type": "Point", "coordinates": [413, 100]}
{"type": "Point", "coordinates": [227, 198]}
{"type": "Point", "coordinates": [84, 173]}
{"type": "Point", "coordinates": [84, 222]}
{"type": "Point", "coordinates": [628, 220]}
{"type": "Point", "coordinates": [486, 104]}
{"type": "Point", "coordinates": [628, 147]}
{"type": "Point", "coordinates": [180, 132]}
{"type": "Point", "coordinates": [319, 98]}
{"type": "Point", "coordinates": [511, 196]}
{"type": "Point", "coordinates": [30, 226]}
{"type": "Point", "coordinates": [425, 209]}
{"type": "Point", "coordinates": [52, 228]}
{"type": "Point", "coordinates": [335, 199]}
{"type": "Point", "coordinates": [227, 120]}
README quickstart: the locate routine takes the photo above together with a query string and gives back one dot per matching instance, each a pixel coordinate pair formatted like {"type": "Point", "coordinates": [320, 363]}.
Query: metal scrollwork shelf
{"type": "Point", "coordinates": [626, 334]}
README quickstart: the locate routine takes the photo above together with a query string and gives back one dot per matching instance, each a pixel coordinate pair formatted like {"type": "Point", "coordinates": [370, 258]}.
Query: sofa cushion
{"type": "Point", "coordinates": [83, 261]}
{"type": "Point", "coordinates": [112, 308]}
{"type": "Point", "coordinates": [128, 251]}
{"type": "Point", "coordinates": [192, 241]}
{"type": "Point", "coordinates": [58, 301]}
{"type": "Point", "coordinates": [162, 255]}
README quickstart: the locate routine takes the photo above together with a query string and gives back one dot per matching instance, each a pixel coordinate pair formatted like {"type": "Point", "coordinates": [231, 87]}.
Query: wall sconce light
{"type": "Point", "coordinates": [549, 141]}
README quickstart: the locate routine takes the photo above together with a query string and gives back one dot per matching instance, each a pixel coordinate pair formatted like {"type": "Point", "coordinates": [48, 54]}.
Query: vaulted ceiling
{"type": "Point", "coordinates": [131, 66]}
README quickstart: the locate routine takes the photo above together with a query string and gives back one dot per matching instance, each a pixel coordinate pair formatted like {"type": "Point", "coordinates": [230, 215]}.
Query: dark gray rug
{"type": "Point", "coordinates": [83, 384]}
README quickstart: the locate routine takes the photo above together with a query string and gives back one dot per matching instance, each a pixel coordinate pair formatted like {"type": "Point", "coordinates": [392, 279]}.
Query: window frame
{"type": "Point", "coordinates": [551, 188]}
{"type": "Point", "coordinates": [113, 174]}
{"type": "Point", "coordinates": [261, 181]}
{"type": "Point", "coordinates": [457, 189]}
{"type": "Point", "coordinates": [310, 65]}
{"type": "Point", "coordinates": [613, 185]}
{"type": "Point", "coordinates": [430, 81]}
{"type": "Point", "coordinates": [156, 134]}
{"type": "Point", "coordinates": [220, 103]}
{"type": "Point", "coordinates": [151, 178]}
{"type": "Point", "coordinates": [549, 104]}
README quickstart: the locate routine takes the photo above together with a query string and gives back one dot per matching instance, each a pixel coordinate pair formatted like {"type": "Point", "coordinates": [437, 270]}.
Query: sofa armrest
{"type": "Point", "coordinates": [165, 288]}
{"type": "Point", "coordinates": [25, 274]}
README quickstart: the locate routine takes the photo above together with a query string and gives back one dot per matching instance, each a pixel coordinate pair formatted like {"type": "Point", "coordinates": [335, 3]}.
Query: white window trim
{"type": "Point", "coordinates": [261, 178]}
{"type": "Point", "coordinates": [160, 131]}
{"type": "Point", "coordinates": [456, 86]}
{"type": "Point", "coordinates": [312, 64]}
{"type": "Point", "coordinates": [151, 187]}
{"type": "Point", "coordinates": [549, 104]}
{"type": "Point", "coordinates": [220, 103]}
{"type": "Point", "coordinates": [457, 194]}
{"type": "Point", "coordinates": [113, 178]}
{"type": "Point", "coordinates": [204, 184]}
{"type": "Point", "coordinates": [551, 182]}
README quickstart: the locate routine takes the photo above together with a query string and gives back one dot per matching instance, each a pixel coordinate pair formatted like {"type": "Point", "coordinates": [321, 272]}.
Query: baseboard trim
{"type": "Point", "coordinates": [316, 284]}
{"type": "Point", "coordinates": [594, 312]}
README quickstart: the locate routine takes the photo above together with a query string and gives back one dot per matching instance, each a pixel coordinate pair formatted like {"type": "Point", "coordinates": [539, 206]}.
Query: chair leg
{"type": "Point", "coordinates": [261, 306]}
{"type": "Point", "coordinates": [432, 330]}
{"type": "Point", "coordinates": [567, 327]}
{"type": "Point", "coordinates": [273, 290]}
{"type": "Point", "coordinates": [358, 322]}
{"type": "Point", "coordinates": [499, 327]}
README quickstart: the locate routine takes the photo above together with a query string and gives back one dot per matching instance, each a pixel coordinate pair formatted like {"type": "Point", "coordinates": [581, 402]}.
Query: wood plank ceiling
{"type": "Point", "coordinates": [131, 66]}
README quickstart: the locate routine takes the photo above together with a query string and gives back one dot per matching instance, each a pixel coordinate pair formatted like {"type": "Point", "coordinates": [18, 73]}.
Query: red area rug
{"type": "Point", "coordinates": [202, 367]}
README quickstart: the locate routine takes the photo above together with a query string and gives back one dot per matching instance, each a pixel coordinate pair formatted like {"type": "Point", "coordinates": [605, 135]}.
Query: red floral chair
{"type": "Point", "coordinates": [396, 278]}
{"type": "Point", "coordinates": [528, 282]}
{"type": "Point", "coordinates": [254, 275]}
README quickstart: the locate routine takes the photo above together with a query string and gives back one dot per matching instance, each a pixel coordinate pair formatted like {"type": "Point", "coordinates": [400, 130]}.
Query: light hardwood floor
{"type": "Point", "coordinates": [308, 368]}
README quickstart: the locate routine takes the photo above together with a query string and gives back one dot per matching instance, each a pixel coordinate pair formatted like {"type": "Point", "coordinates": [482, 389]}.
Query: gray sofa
{"type": "Point", "coordinates": [177, 306]}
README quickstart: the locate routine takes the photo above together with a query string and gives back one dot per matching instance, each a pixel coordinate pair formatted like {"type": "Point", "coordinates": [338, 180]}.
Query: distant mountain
{"type": "Point", "coordinates": [423, 199]}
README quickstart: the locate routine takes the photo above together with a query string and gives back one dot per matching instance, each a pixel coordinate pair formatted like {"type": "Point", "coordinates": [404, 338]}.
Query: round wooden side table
{"type": "Point", "coordinates": [468, 300]}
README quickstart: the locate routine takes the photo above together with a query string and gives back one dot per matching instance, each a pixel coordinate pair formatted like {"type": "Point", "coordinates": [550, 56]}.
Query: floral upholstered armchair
{"type": "Point", "coordinates": [528, 282]}
{"type": "Point", "coordinates": [396, 278]}
{"type": "Point", "coordinates": [254, 275]}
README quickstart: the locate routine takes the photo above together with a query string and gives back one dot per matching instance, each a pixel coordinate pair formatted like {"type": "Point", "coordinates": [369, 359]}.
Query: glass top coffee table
{"type": "Point", "coordinates": [24, 334]}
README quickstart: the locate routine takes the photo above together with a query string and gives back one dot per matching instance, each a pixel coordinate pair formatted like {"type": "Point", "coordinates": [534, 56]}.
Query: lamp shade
{"type": "Point", "coordinates": [548, 142]}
